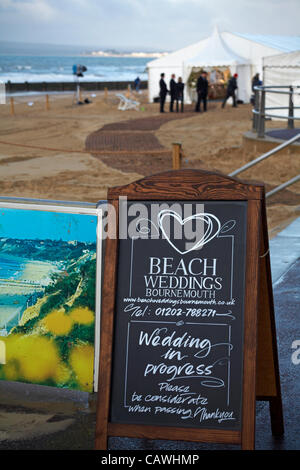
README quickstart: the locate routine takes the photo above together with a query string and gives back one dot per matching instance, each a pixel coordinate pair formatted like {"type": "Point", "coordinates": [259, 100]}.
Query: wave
{"type": "Point", "coordinates": [60, 77]}
{"type": "Point", "coordinates": [23, 67]}
{"type": "Point", "coordinates": [58, 69]}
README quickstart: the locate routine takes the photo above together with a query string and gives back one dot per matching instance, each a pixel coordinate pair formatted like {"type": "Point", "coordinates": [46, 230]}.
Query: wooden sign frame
{"type": "Point", "coordinates": [260, 363]}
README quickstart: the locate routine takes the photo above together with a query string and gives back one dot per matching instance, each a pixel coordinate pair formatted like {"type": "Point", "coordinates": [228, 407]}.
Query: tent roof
{"type": "Point", "coordinates": [215, 52]}
{"type": "Point", "coordinates": [178, 56]}
{"type": "Point", "coordinates": [281, 43]}
{"type": "Point", "coordinates": [204, 48]}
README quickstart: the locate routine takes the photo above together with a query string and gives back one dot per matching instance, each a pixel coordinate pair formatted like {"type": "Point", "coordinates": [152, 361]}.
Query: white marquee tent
{"type": "Point", "coordinates": [282, 70]}
{"type": "Point", "coordinates": [242, 53]}
{"type": "Point", "coordinates": [216, 53]}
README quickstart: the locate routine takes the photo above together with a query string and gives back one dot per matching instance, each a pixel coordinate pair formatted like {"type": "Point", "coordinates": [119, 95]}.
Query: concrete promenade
{"type": "Point", "coordinates": [41, 418]}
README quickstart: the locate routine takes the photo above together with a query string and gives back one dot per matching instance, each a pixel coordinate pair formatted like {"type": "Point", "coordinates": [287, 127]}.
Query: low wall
{"type": "Point", "coordinates": [68, 86]}
{"type": "Point", "coordinates": [252, 143]}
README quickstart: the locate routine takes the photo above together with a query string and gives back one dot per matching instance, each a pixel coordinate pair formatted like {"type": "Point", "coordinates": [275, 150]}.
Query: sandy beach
{"type": "Point", "coordinates": [212, 141]}
{"type": "Point", "coordinates": [15, 292]}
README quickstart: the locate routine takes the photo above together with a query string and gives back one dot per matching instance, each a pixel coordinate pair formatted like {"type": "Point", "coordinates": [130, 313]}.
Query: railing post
{"type": "Point", "coordinates": [261, 119]}
{"type": "Point", "coordinates": [291, 110]}
{"type": "Point", "coordinates": [256, 108]}
{"type": "Point", "coordinates": [176, 156]}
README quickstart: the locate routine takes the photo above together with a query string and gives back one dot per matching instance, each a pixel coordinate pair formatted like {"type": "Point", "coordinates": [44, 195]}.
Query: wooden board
{"type": "Point", "coordinates": [135, 353]}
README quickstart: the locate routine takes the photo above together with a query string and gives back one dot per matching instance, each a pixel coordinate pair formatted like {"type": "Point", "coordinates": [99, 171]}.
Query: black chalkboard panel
{"type": "Point", "coordinates": [178, 336]}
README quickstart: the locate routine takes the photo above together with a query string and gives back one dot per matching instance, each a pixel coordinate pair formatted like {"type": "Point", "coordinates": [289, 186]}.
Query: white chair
{"type": "Point", "coordinates": [127, 103]}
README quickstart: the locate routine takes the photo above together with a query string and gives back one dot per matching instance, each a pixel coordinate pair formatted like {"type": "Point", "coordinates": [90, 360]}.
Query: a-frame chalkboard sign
{"type": "Point", "coordinates": [188, 339]}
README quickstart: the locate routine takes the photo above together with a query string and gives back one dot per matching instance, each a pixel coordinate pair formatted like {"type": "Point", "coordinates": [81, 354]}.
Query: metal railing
{"type": "Point", "coordinates": [283, 186]}
{"type": "Point", "coordinates": [267, 155]}
{"type": "Point", "coordinates": [261, 112]}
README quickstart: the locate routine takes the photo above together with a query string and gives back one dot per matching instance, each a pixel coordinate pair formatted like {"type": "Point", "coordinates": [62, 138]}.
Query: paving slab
{"type": "Point", "coordinates": [285, 250]}
{"type": "Point", "coordinates": [287, 315]}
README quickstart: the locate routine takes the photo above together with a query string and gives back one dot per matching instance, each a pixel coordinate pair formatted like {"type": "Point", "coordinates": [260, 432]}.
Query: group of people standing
{"type": "Point", "coordinates": [176, 91]}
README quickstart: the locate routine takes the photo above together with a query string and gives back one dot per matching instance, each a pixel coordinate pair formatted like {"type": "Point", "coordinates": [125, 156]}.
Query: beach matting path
{"type": "Point", "coordinates": [135, 145]}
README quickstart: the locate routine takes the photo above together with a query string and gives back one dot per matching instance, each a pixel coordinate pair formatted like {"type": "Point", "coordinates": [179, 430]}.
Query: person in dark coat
{"type": "Point", "coordinates": [179, 94]}
{"type": "Point", "coordinates": [137, 84]}
{"type": "Point", "coordinates": [231, 87]}
{"type": "Point", "coordinates": [163, 90]}
{"type": "Point", "coordinates": [202, 92]}
{"type": "Point", "coordinates": [173, 92]}
{"type": "Point", "coordinates": [254, 82]}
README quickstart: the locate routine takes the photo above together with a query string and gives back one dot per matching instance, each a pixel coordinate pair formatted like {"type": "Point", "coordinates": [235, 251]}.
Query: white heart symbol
{"type": "Point", "coordinates": [210, 232]}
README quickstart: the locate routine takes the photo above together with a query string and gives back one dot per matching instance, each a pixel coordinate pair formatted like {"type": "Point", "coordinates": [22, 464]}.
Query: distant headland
{"type": "Point", "coordinates": [127, 54]}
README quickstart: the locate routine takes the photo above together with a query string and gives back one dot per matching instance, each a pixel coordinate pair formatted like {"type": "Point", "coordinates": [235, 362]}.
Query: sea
{"type": "Point", "coordinates": [21, 63]}
{"type": "Point", "coordinates": [11, 306]}
{"type": "Point", "coordinates": [20, 69]}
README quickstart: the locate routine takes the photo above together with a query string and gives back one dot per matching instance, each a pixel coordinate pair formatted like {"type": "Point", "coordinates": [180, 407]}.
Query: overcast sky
{"type": "Point", "coordinates": [142, 24]}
